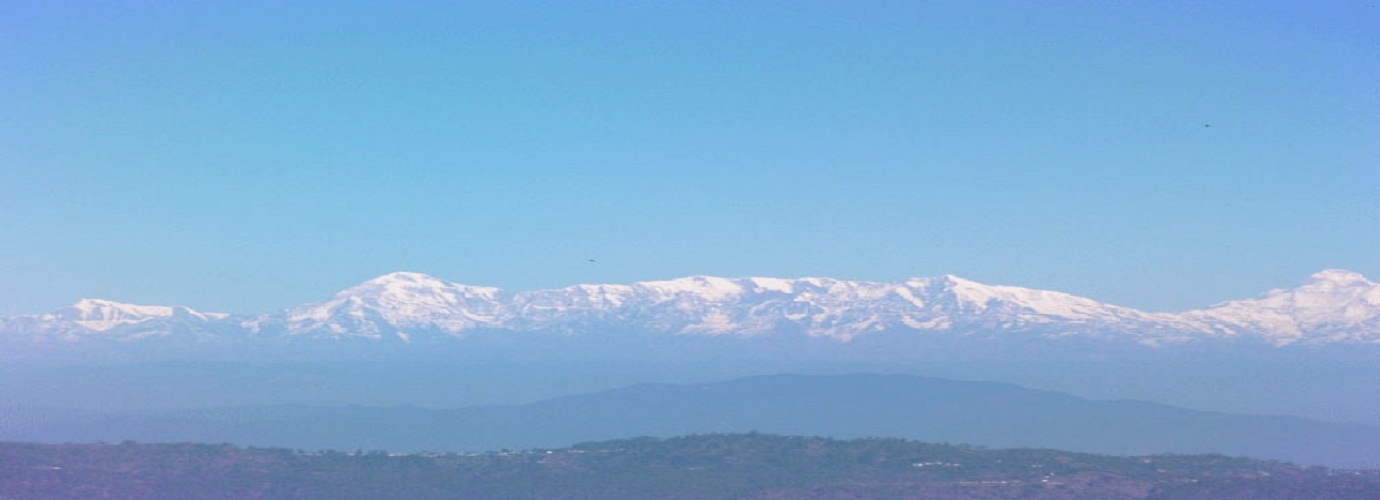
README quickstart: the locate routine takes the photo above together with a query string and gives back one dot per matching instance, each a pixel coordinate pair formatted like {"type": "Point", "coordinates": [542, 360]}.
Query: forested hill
{"type": "Point", "coordinates": [700, 467]}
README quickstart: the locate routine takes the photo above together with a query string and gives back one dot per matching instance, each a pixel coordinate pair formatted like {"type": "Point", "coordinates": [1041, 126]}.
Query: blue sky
{"type": "Point", "coordinates": [244, 156]}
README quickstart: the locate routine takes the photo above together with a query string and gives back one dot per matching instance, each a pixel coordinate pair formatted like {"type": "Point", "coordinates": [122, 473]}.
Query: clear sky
{"type": "Point", "coordinates": [244, 156]}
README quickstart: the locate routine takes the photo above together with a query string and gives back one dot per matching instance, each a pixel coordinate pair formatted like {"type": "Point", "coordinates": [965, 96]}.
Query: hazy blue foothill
{"type": "Point", "coordinates": [858, 405]}
{"type": "Point", "coordinates": [1335, 384]}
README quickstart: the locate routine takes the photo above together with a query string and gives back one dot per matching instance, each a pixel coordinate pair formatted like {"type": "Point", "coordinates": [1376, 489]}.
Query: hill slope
{"type": "Point", "coordinates": [979, 413]}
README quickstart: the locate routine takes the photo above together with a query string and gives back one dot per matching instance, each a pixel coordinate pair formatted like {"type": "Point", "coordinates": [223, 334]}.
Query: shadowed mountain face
{"type": "Point", "coordinates": [980, 413]}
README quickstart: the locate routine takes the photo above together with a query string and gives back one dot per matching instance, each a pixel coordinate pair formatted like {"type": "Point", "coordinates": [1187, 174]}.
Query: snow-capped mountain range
{"type": "Point", "coordinates": [1332, 306]}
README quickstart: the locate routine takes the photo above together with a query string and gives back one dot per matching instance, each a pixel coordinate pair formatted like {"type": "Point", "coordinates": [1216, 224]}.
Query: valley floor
{"type": "Point", "coordinates": [750, 465]}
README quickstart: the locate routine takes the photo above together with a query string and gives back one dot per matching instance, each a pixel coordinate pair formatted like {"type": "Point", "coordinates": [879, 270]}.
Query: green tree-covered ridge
{"type": "Point", "coordinates": [701, 466]}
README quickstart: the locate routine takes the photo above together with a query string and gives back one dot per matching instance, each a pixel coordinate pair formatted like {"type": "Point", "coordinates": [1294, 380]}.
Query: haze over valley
{"type": "Point", "coordinates": [420, 349]}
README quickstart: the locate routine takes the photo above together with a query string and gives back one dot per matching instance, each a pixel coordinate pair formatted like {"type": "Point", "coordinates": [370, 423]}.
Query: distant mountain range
{"type": "Point", "coordinates": [1332, 306]}
{"type": "Point", "coordinates": [856, 405]}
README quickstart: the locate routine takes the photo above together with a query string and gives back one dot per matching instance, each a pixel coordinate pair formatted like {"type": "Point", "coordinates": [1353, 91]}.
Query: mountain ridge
{"type": "Point", "coordinates": [1332, 306]}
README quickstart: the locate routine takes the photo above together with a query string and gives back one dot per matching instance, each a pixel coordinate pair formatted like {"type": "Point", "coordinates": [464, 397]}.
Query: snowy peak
{"type": "Point", "coordinates": [1026, 304]}
{"type": "Point", "coordinates": [390, 305]}
{"type": "Point", "coordinates": [1331, 305]}
{"type": "Point", "coordinates": [403, 278]}
{"type": "Point", "coordinates": [1340, 276]}
{"type": "Point", "coordinates": [706, 287]}
{"type": "Point", "coordinates": [111, 320]}
{"type": "Point", "coordinates": [101, 315]}
{"type": "Point", "coordinates": [1324, 291]}
{"type": "Point", "coordinates": [407, 286]}
{"type": "Point", "coordinates": [1333, 289]}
